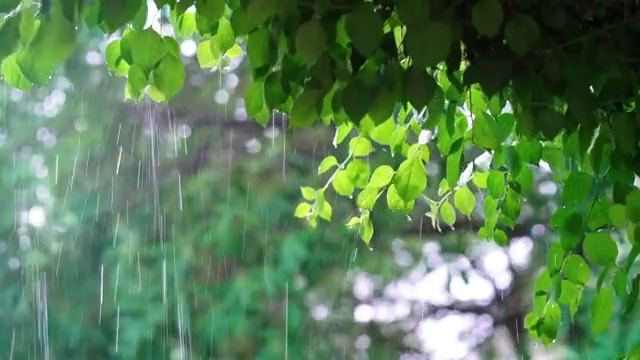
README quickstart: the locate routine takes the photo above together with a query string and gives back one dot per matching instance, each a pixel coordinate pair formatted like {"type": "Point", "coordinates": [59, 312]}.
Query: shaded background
{"type": "Point", "coordinates": [147, 231]}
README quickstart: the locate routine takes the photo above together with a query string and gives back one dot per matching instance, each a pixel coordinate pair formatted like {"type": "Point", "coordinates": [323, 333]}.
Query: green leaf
{"type": "Point", "coordinates": [551, 319]}
{"type": "Point", "coordinates": [541, 289]}
{"type": "Point", "coordinates": [530, 151]}
{"type": "Point", "coordinates": [492, 73]}
{"type": "Point", "coordinates": [225, 38]}
{"type": "Point", "coordinates": [633, 206]}
{"type": "Point", "coordinates": [136, 81]}
{"type": "Point", "coordinates": [522, 33]}
{"type": "Point", "coordinates": [358, 172]}
{"type": "Point", "coordinates": [601, 310]}
{"type": "Point", "coordinates": [258, 12]}
{"type": "Point", "coordinates": [429, 44]}
{"type": "Point", "coordinates": [381, 177]}
{"type": "Point", "coordinates": [618, 215]}
{"type": "Point", "coordinates": [302, 210]}
{"type": "Point", "coordinates": [29, 25]}
{"type": "Point", "coordinates": [146, 48]}
{"type": "Point", "coordinates": [511, 207]}
{"type": "Point", "coordinates": [600, 248]}
{"type": "Point", "coordinates": [382, 107]}
{"type": "Point", "coordinates": [633, 233]}
{"type": "Point", "coordinates": [234, 52]}
{"type": "Point", "coordinates": [632, 298]}
{"type": "Point", "coordinates": [598, 216]}
{"type": "Point", "coordinates": [259, 49]}
{"type": "Point", "coordinates": [355, 100]}
{"type": "Point", "coordinates": [577, 188]}
{"type": "Point", "coordinates": [327, 164]}
{"type": "Point", "coordinates": [342, 184]}
{"type": "Point", "coordinates": [353, 223]}
{"type": "Point", "coordinates": [274, 93]}
{"type": "Point", "coordinates": [465, 200]}
{"type": "Point", "coordinates": [367, 198]}
{"type": "Point", "coordinates": [570, 295]}
{"type": "Point", "coordinates": [254, 103]}
{"type": "Point", "coordinates": [623, 128]}
{"type": "Point", "coordinates": [554, 258]}
{"type": "Point", "coordinates": [480, 179]}
{"type": "Point", "coordinates": [396, 203]}
{"type": "Point", "coordinates": [9, 36]}
{"type": "Point", "coordinates": [12, 74]}
{"type": "Point", "coordinates": [117, 13]}
{"type": "Point", "coordinates": [448, 213]}
{"type": "Point", "coordinates": [572, 230]}
{"type": "Point", "coordinates": [576, 269]}
{"type": "Point", "coordinates": [306, 108]}
{"type": "Point", "coordinates": [171, 46]}
{"type": "Point", "coordinates": [366, 229]}
{"type": "Point", "coordinates": [115, 60]}
{"type": "Point", "coordinates": [308, 193]}
{"type": "Point", "coordinates": [168, 77]}
{"type": "Point", "coordinates": [52, 45]}
{"type": "Point", "coordinates": [487, 17]}
{"type": "Point", "coordinates": [485, 131]}
{"type": "Point", "coordinates": [410, 179]}
{"type": "Point", "coordinates": [208, 54]}
{"type": "Point", "coordinates": [419, 87]}
{"type": "Point", "coordinates": [531, 321]}
{"type": "Point", "coordinates": [311, 40]}
{"type": "Point", "coordinates": [327, 212]}
{"type": "Point", "coordinates": [500, 237]}
{"type": "Point", "coordinates": [413, 12]}
{"type": "Point", "coordinates": [341, 133]}
{"type": "Point", "coordinates": [360, 146]}
{"type": "Point", "coordinates": [620, 283]}
{"type": "Point", "coordinates": [210, 9]}
{"type": "Point", "coordinates": [137, 23]}
{"type": "Point", "coordinates": [185, 24]}
{"type": "Point", "coordinates": [496, 184]}
{"type": "Point", "coordinates": [364, 28]}
{"type": "Point", "coordinates": [7, 6]}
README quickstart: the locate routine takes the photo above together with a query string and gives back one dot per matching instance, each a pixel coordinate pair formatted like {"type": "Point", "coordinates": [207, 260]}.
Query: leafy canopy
{"type": "Point", "coordinates": [524, 81]}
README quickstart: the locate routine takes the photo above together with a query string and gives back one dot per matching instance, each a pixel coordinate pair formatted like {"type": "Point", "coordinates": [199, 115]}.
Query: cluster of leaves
{"type": "Point", "coordinates": [525, 82]}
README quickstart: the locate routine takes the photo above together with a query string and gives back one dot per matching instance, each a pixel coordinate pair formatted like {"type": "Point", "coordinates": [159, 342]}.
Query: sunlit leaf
{"type": "Point", "coordinates": [327, 164]}
{"type": "Point", "coordinates": [381, 176]}
{"type": "Point", "coordinates": [411, 179]}
{"type": "Point", "coordinates": [448, 213]}
{"type": "Point", "coordinates": [465, 200]}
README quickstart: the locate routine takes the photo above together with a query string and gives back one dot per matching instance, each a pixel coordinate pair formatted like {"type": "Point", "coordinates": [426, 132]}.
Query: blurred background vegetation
{"type": "Point", "coordinates": [147, 231]}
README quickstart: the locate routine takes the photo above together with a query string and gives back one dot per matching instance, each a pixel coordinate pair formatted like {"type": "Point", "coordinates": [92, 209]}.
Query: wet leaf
{"type": "Point", "coordinates": [311, 41]}
{"type": "Point", "coordinates": [411, 179]}
{"type": "Point", "coordinates": [487, 17]}
{"type": "Point", "coordinates": [360, 146]}
{"type": "Point", "coordinates": [522, 33]}
{"type": "Point", "coordinates": [327, 164]}
{"type": "Point", "coordinates": [381, 177]}
{"type": "Point", "coordinates": [168, 76]}
{"type": "Point", "coordinates": [576, 269]}
{"type": "Point", "coordinates": [306, 109]}
{"type": "Point", "coordinates": [397, 203]}
{"type": "Point", "coordinates": [601, 310]}
{"type": "Point", "coordinates": [600, 248]}
{"type": "Point", "coordinates": [448, 213]}
{"type": "Point", "coordinates": [465, 200]}
{"type": "Point", "coordinates": [364, 28]}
